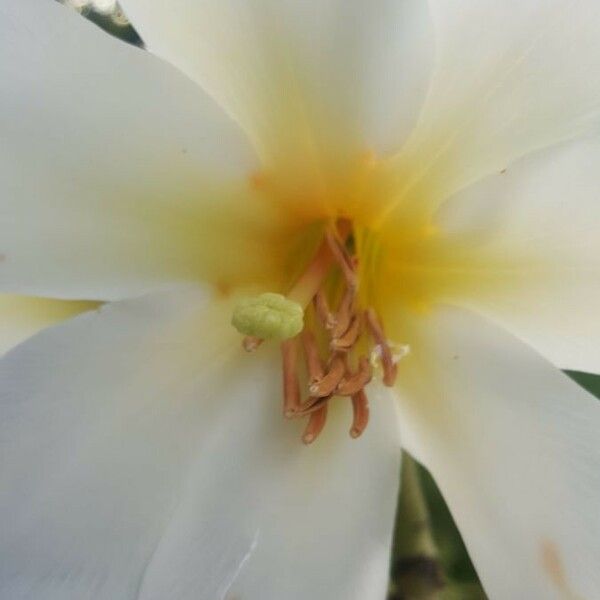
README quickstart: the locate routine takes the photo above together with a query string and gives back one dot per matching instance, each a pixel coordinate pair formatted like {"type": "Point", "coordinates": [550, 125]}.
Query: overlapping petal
{"type": "Point", "coordinates": [144, 457]}
{"type": "Point", "coordinates": [23, 316]}
{"type": "Point", "coordinates": [118, 175]}
{"type": "Point", "coordinates": [510, 77]}
{"type": "Point", "coordinates": [513, 444]}
{"type": "Point", "coordinates": [532, 233]}
{"type": "Point", "coordinates": [306, 80]}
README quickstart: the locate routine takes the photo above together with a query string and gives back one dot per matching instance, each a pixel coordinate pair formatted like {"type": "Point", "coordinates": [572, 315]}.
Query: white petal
{"type": "Point", "coordinates": [300, 77]}
{"type": "Point", "coordinates": [290, 498]}
{"type": "Point", "coordinates": [23, 316]}
{"type": "Point", "coordinates": [112, 164]}
{"type": "Point", "coordinates": [144, 456]}
{"type": "Point", "coordinates": [542, 217]}
{"type": "Point", "coordinates": [513, 444]}
{"type": "Point", "coordinates": [510, 77]}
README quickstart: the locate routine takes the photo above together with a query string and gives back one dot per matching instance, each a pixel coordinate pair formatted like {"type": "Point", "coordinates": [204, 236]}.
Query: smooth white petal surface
{"type": "Point", "coordinates": [118, 175]}
{"type": "Point", "coordinates": [513, 445]}
{"type": "Point", "coordinates": [145, 456]}
{"type": "Point", "coordinates": [510, 77]}
{"type": "Point", "coordinates": [23, 316]}
{"type": "Point", "coordinates": [303, 78]}
{"type": "Point", "coordinates": [535, 230]}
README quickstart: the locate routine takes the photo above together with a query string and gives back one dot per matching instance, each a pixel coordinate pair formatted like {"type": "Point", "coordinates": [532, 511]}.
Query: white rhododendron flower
{"type": "Point", "coordinates": [415, 184]}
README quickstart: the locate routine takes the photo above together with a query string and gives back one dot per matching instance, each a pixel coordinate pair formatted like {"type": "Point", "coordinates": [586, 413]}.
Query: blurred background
{"type": "Point", "coordinates": [429, 561]}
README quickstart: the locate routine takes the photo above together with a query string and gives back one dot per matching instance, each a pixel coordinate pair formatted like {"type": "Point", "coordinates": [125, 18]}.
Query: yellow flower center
{"type": "Point", "coordinates": [338, 340]}
{"type": "Point", "coordinates": [353, 264]}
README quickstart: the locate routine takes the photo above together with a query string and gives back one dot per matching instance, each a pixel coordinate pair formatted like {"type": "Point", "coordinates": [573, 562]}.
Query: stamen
{"type": "Point", "coordinates": [327, 384]}
{"type": "Point", "coordinates": [344, 314]}
{"type": "Point", "coordinates": [343, 258]}
{"type": "Point", "coordinates": [349, 386]}
{"type": "Point", "coordinates": [322, 310]}
{"type": "Point", "coordinates": [311, 405]}
{"type": "Point", "coordinates": [282, 317]}
{"type": "Point", "coordinates": [347, 341]}
{"type": "Point", "coordinates": [360, 409]}
{"type": "Point", "coordinates": [312, 279]}
{"type": "Point", "coordinates": [315, 425]}
{"type": "Point", "coordinates": [314, 366]}
{"type": "Point", "coordinates": [291, 385]}
{"type": "Point", "coordinates": [390, 368]}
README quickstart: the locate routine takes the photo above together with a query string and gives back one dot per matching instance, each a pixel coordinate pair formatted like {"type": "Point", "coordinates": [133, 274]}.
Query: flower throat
{"type": "Point", "coordinates": [330, 344]}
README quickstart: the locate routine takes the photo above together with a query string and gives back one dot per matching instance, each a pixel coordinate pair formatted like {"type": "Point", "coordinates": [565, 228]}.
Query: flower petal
{"type": "Point", "coordinates": [541, 216]}
{"type": "Point", "coordinates": [118, 175]}
{"type": "Point", "coordinates": [145, 456]}
{"type": "Point", "coordinates": [513, 445]}
{"type": "Point", "coordinates": [22, 316]}
{"type": "Point", "coordinates": [300, 77]}
{"type": "Point", "coordinates": [510, 77]}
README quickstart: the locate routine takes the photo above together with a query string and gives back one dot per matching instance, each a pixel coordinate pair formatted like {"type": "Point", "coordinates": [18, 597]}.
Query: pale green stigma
{"type": "Point", "coordinates": [268, 316]}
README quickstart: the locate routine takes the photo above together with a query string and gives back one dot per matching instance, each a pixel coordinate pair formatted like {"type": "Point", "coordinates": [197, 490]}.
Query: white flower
{"type": "Point", "coordinates": [143, 455]}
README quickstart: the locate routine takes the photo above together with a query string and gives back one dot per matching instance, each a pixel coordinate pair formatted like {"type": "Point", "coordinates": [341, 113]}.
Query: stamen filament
{"type": "Point", "coordinates": [344, 260]}
{"type": "Point", "coordinates": [311, 280]}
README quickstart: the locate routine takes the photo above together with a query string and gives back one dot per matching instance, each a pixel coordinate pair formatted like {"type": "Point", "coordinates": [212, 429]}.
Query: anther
{"type": "Point", "coordinates": [390, 368]}
{"type": "Point", "coordinates": [311, 405]}
{"type": "Point", "coordinates": [315, 425]}
{"type": "Point", "coordinates": [327, 384]}
{"type": "Point", "coordinates": [322, 309]}
{"type": "Point", "coordinates": [346, 341]}
{"type": "Point", "coordinates": [291, 386]}
{"type": "Point", "coordinates": [360, 410]}
{"type": "Point", "coordinates": [349, 386]}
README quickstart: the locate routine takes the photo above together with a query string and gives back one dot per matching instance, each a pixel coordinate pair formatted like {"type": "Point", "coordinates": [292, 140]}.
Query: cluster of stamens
{"type": "Point", "coordinates": [330, 343]}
